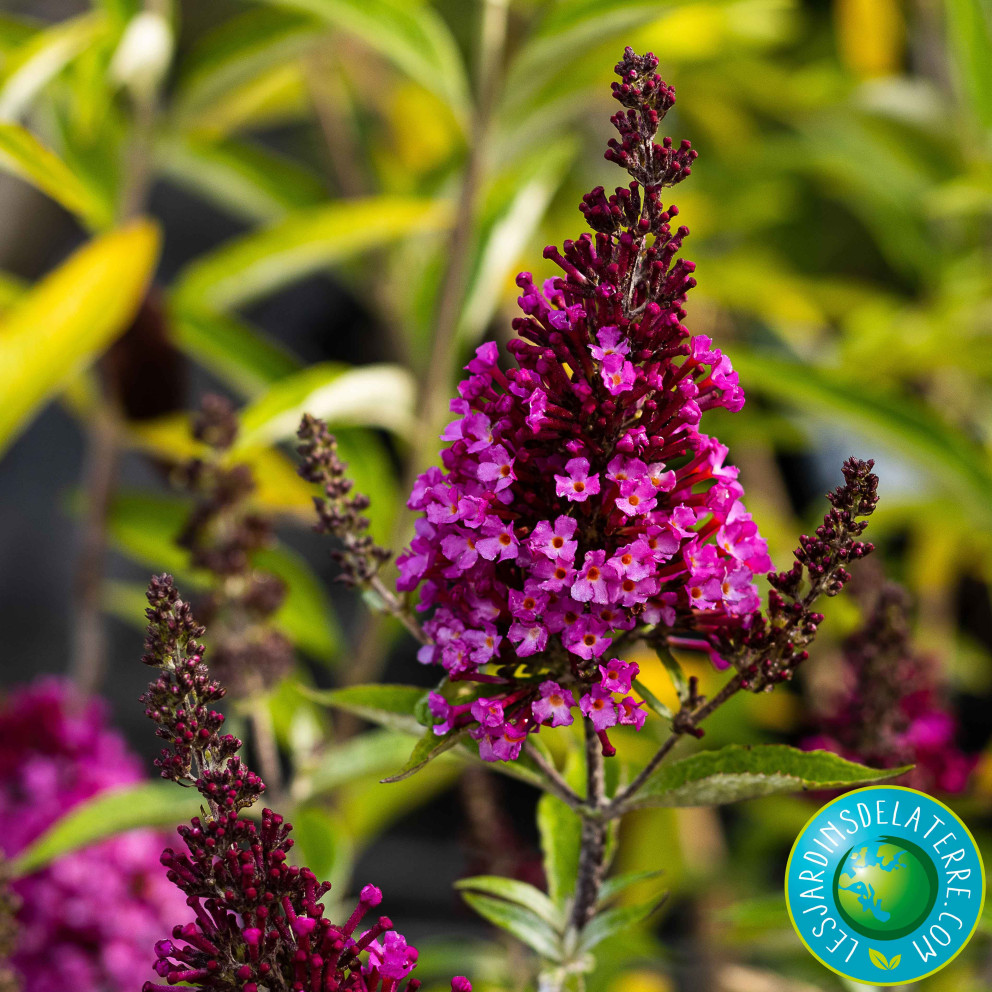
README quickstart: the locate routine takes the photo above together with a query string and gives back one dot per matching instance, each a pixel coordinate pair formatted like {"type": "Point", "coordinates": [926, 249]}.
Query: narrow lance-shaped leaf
{"type": "Point", "coordinates": [561, 832]}
{"type": "Point", "coordinates": [23, 155]}
{"type": "Point", "coordinates": [361, 757]}
{"type": "Point", "coordinates": [969, 25]}
{"type": "Point", "coordinates": [941, 451]}
{"type": "Point", "coordinates": [43, 56]}
{"type": "Point", "coordinates": [427, 748]}
{"type": "Point", "coordinates": [521, 893]}
{"type": "Point", "coordinates": [412, 35]}
{"type": "Point", "coordinates": [516, 207]}
{"type": "Point", "coordinates": [525, 925]}
{"type": "Point", "coordinates": [149, 804]}
{"type": "Point", "coordinates": [69, 318]}
{"type": "Point", "coordinates": [652, 700]}
{"type": "Point", "coordinates": [237, 50]}
{"type": "Point", "coordinates": [236, 352]}
{"type": "Point", "coordinates": [264, 261]}
{"type": "Point", "coordinates": [243, 179]}
{"type": "Point", "coordinates": [737, 772]}
{"type": "Point", "coordinates": [390, 706]}
{"type": "Point", "coordinates": [373, 395]}
{"type": "Point", "coordinates": [613, 887]}
{"type": "Point", "coordinates": [613, 921]}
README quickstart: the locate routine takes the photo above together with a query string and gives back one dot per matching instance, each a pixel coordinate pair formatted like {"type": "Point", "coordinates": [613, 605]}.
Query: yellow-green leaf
{"type": "Point", "coordinates": [264, 261]}
{"type": "Point", "coordinates": [42, 57]}
{"type": "Point", "coordinates": [69, 318]}
{"type": "Point", "coordinates": [23, 155]}
{"type": "Point", "coordinates": [878, 959]}
{"type": "Point", "coordinates": [144, 804]}
{"type": "Point", "coordinates": [377, 395]}
{"type": "Point", "coordinates": [412, 35]}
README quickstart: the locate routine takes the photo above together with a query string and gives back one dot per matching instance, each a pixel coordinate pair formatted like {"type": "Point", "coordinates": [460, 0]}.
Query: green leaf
{"type": "Point", "coordinates": [427, 748]}
{"type": "Point", "coordinates": [517, 892]}
{"type": "Point", "coordinates": [564, 35]}
{"type": "Point", "coordinates": [525, 925]}
{"type": "Point", "coordinates": [736, 772]}
{"type": "Point", "coordinates": [365, 756]}
{"type": "Point", "coordinates": [620, 920]}
{"type": "Point", "coordinates": [322, 844]}
{"type": "Point", "coordinates": [389, 706]}
{"type": "Point", "coordinates": [371, 395]}
{"type": "Point", "coordinates": [560, 830]}
{"type": "Point", "coordinates": [30, 67]}
{"type": "Point", "coordinates": [15, 31]}
{"type": "Point", "coordinates": [66, 321]}
{"type": "Point", "coordinates": [894, 961]}
{"type": "Point", "coordinates": [969, 24]}
{"type": "Point", "coordinates": [235, 351]}
{"type": "Point", "coordinates": [147, 804]}
{"type": "Point", "coordinates": [412, 35]}
{"type": "Point", "coordinates": [674, 669]}
{"type": "Point", "coordinates": [23, 155]}
{"type": "Point", "coordinates": [247, 268]}
{"type": "Point", "coordinates": [613, 887]}
{"type": "Point", "coordinates": [369, 808]}
{"type": "Point", "coordinates": [239, 49]}
{"type": "Point", "coordinates": [945, 454]}
{"type": "Point", "coordinates": [516, 206]}
{"type": "Point", "coordinates": [652, 700]}
{"type": "Point", "coordinates": [247, 180]}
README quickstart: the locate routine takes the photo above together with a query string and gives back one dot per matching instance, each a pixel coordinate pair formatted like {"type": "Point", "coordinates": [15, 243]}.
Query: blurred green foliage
{"type": "Point", "coordinates": [841, 211]}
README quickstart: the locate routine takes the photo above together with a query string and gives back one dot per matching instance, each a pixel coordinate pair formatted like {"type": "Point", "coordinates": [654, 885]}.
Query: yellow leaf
{"type": "Point", "coordinates": [878, 959]}
{"type": "Point", "coordinates": [870, 36]}
{"type": "Point", "coordinates": [66, 321]}
{"type": "Point", "coordinates": [23, 155]}
{"type": "Point", "coordinates": [894, 962]}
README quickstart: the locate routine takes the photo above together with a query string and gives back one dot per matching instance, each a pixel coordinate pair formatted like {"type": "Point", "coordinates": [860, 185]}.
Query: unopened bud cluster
{"type": "Point", "coordinates": [260, 923]}
{"type": "Point", "coordinates": [340, 513]}
{"type": "Point", "coordinates": [223, 534]}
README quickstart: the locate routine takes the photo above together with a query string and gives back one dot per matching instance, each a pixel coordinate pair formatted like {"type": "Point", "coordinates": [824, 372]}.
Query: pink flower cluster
{"type": "Point", "coordinates": [88, 919]}
{"type": "Point", "coordinates": [578, 502]}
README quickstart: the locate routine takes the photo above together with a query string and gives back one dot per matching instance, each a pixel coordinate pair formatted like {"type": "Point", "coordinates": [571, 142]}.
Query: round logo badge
{"type": "Point", "coordinates": [885, 885]}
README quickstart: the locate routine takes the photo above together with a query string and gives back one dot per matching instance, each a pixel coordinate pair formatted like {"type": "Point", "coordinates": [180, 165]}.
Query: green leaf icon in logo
{"type": "Point", "coordinates": [878, 959]}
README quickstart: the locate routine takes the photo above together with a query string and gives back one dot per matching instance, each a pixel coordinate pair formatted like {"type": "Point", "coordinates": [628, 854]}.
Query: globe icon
{"type": "Point", "coordinates": [885, 888]}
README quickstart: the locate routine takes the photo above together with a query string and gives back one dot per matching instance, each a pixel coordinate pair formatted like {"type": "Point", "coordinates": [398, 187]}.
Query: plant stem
{"type": "Point", "coordinates": [434, 394]}
{"type": "Point", "coordinates": [266, 748]}
{"type": "Point", "coordinates": [592, 854]}
{"type": "Point", "coordinates": [89, 647]}
{"type": "Point", "coordinates": [557, 786]}
{"type": "Point", "coordinates": [687, 719]}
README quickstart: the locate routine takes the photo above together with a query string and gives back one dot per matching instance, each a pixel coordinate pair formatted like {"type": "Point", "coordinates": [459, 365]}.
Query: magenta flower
{"type": "Point", "coordinates": [617, 675]}
{"type": "Point", "coordinates": [577, 485]}
{"type": "Point", "coordinates": [88, 920]}
{"type": "Point", "coordinates": [554, 706]}
{"type": "Point", "coordinates": [598, 705]}
{"type": "Point", "coordinates": [607, 513]}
